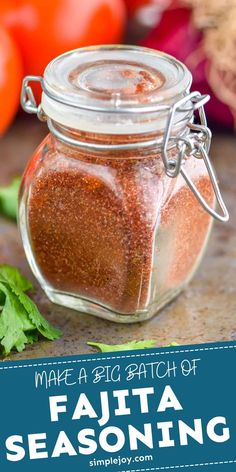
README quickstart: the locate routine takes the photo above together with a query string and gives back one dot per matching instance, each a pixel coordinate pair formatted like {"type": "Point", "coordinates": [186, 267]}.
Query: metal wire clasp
{"type": "Point", "coordinates": [28, 101]}
{"type": "Point", "coordinates": [196, 143]}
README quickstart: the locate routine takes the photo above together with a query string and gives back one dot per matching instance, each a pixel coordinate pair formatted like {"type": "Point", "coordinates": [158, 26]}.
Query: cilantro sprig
{"type": "Point", "coordinates": [129, 346]}
{"type": "Point", "coordinates": [21, 322]}
{"type": "Point", "coordinates": [9, 198]}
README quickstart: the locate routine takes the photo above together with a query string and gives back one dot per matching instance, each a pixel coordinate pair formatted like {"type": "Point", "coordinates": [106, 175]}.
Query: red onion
{"type": "Point", "coordinates": [176, 35]}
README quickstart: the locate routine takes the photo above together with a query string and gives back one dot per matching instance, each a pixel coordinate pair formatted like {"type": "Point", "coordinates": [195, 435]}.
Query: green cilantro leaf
{"type": "Point", "coordinates": [123, 347]}
{"type": "Point", "coordinates": [9, 198]}
{"type": "Point", "coordinates": [40, 323]}
{"type": "Point", "coordinates": [129, 346]}
{"type": "Point", "coordinates": [172, 345]}
{"type": "Point", "coordinates": [13, 276]}
{"type": "Point", "coordinates": [21, 322]}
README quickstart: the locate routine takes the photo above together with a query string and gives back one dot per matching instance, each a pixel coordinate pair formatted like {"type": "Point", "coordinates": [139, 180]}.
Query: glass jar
{"type": "Point", "coordinates": [116, 203]}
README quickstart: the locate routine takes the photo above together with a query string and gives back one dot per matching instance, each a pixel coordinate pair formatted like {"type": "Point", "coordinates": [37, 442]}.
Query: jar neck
{"type": "Point", "coordinates": [75, 138]}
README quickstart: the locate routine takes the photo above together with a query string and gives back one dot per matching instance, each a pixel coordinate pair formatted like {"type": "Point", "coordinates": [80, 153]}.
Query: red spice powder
{"type": "Point", "coordinates": [113, 228]}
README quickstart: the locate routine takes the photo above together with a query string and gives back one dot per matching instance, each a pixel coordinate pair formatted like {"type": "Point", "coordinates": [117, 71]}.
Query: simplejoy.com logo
{"type": "Point", "coordinates": [119, 461]}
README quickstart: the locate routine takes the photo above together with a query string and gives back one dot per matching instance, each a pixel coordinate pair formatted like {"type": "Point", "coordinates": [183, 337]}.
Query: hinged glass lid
{"type": "Point", "coordinates": [87, 88]}
{"type": "Point", "coordinates": [107, 77]}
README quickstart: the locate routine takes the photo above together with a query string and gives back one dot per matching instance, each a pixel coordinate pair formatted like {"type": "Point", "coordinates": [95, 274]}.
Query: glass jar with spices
{"type": "Point", "coordinates": [117, 202]}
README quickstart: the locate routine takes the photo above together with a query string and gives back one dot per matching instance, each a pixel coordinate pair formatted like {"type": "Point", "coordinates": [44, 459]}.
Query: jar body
{"type": "Point", "coordinates": [109, 233]}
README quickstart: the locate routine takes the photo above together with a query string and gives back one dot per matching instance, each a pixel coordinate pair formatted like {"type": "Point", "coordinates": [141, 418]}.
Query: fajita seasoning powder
{"type": "Point", "coordinates": [117, 202]}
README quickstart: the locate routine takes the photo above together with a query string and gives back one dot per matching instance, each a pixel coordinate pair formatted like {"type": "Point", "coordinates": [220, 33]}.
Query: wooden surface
{"type": "Point", "coordinates": [205, 312]}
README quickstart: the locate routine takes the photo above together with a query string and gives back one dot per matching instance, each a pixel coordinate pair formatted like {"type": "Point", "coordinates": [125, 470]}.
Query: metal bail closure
{"type": "Point", "coordinates": [194, 101]}
{"type": "Point", "coordinates": [225, 216]}
{"type": "Point", "coordinates": [28, 101]}
{"type": "Point", "coordinates": [195, 143]}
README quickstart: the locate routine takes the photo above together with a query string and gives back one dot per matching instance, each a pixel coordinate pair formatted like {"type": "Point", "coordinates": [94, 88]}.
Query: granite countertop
{"type": "Point", "coordinates": [205, 312]}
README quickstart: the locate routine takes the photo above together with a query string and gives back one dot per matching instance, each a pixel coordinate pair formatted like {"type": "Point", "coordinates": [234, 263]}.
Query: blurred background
{"type": "Point", "coordinates": [201, 33]}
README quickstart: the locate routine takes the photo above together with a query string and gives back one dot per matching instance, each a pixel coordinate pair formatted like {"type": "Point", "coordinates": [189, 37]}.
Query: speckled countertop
{"type": "Point", "coordinates": [205, 312]}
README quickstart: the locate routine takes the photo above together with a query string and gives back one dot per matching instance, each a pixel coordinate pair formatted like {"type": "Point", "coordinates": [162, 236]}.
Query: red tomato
{"type": "Point", "coordinates": [10, 79]}
{"type": "Point", "coordinates": [44, 29]}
